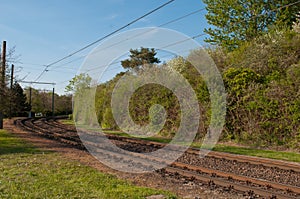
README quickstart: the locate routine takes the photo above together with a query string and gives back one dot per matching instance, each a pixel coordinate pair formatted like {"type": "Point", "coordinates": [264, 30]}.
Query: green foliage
{"type": "Point", "coordinates": [18, 102]}
{"type": "Point", "coordinates": [108, 121]}
{"type": "Point", "coordinates": [14, 101]}
{"type": "Point", "coordinates": [147, 96]}
{"type": "Point", "coordinates": [262, 80]}
{"type": "Point", "coordinates": [196, 81]}
{"type": "Point", "coordinates": [139, 58]}
{"type": "Point", "coordinates": [102, 103]}
{"type": "Point", "coordinates": [79, 83]}
{"type": "Point", "coordinates": [238, 80]}
{"type": "Point", "coordinates": [237, 21]}
{"type": "Point", "coordinates": [41, 102]}
{"type": "Point", "coordinates": [289, 14]}
{"type": "Point", "coordinates": [271, 53]}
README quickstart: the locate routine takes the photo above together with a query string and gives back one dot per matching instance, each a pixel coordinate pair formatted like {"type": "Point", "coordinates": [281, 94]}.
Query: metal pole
{"type": "Point", "coordinates": [2, 82]}
{"type": "Point", "coordinates": [53, 102]}
{"type": "Point", "coordinates": [3, 63]}
{"type": "Point", "coordinates": [11, 90]}
{"type": "Point", "coordinates": [30, 102]}
{"type": "Point", "coordinates": [12, 76]}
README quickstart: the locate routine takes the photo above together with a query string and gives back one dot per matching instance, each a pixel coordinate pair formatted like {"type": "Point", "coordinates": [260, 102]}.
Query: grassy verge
{"type": "Point", "coordinates": [279, 155]}
{"type": "Point", "coordinates": [68, 122]}
{"type": "Point", "coordinates": [26, 172]}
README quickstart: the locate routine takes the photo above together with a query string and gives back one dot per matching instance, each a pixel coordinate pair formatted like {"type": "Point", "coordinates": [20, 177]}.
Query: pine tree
{"type": "Point", "coordinates": [139, 58]}
{"type": "Point", "coordinates": [18, 101]}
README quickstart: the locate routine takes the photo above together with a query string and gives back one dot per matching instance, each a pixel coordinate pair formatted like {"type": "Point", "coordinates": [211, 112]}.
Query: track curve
{"type": "Point", "coordinates": [253, 176]}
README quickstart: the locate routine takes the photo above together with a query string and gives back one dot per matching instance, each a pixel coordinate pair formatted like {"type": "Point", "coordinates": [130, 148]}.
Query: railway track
{"type": "Point", "coordinates": [255, 177]}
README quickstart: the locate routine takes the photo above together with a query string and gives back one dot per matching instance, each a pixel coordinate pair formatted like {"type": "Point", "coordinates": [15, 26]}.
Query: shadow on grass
{"type": "Point", "coordinates": [10, 144]}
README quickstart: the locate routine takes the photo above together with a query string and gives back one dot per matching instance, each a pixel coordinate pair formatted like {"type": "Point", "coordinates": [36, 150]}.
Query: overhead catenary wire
{"type": "Point", "coordinates": [172, 21]}
{"type": "Point", "coordinates": [32, 64]}
{"type": "Point", "coordinates": [102, 38]}
{"type": "Point", "coordinates": [171, 44]}
{"type": "Point", "coordinates": [117, 43]}
{"type": "Point", "coordinates": [175, 20]}
{"type": "Point", "coordinates": [116, 62]}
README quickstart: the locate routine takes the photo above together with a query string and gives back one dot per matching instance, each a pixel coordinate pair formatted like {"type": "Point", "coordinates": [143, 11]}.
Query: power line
{"type": "Point", "coordinates": [288, 5]}
{"type": "Point", "coordinates": [181, 41]}
{"type": "Point", "coordinates": [175, 20]}
{"type": "Point", "coordinates": [172, 44]}
{"type": "Point", "coordinates": [169, 55]}
{"type": "Point", "coordinates": [102, 38]}
{"type": "Point", "coordinates": [182, 17]}
{"type": "Point", "coordinates": [172, 21]}
{"type": "Point", "coordinates": [78, 58]}
{"type": "Point", "coordinates": [26, 63]}
{"type": "Point", "coordinates": [33, 64]}
{"type": "Point", "coordinates": [117, 43]}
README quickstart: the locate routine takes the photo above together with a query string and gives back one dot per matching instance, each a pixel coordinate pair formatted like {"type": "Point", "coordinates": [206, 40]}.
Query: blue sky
{"type": "Point", "coordinates": [45, 31]}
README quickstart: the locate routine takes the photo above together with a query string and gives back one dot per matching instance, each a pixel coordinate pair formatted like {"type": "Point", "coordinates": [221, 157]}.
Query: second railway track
{"type": "Point", "coordinates": [252, 176]}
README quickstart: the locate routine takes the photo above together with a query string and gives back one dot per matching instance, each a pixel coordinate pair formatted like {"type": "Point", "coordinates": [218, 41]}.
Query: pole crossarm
{"type": "Point", "coordinates": [29, 82]}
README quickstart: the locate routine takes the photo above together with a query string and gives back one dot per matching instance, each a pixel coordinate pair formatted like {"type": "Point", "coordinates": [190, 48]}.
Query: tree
{"type": "Point", "coordinates": [139, 58]}
{"type": "Point", "coordinates": [236, 21]}
{"type": "Point", "coordinates": [4, 90]}
{"type": "Point", "coordinates": [78, 83]}
{"type": "Point", "coordinates": [288, 15]}
{"type": "Point", "coordinates": [41, 102]}
{"type": "Point", "coordinates": [18, 101]}
{"type": "Point", "coordinates": [63, 104]}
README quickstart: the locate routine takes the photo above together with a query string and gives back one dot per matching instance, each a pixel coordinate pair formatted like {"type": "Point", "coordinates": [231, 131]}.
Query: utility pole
{"type": "Point", "coordinates": [11, 89]}
{"type": "Point", "coordinates": [3, 63]}
{"type": "Point", "coordinates": [12, 76]}
{"type": "Point", "coordinates": [2, 83]}
{"type": "Point", "coordinates": [53, 102]}
{"type": "Point", "coordinates": [30, 102]}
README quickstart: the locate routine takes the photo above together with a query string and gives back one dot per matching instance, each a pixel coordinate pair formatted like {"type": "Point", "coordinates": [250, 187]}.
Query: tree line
{"type": "Point", "coordinates": [256, 47]}
{"type": "Point", "coordinates": [16, 102]}
{"type": "Point", "coordinates": [41, 102]}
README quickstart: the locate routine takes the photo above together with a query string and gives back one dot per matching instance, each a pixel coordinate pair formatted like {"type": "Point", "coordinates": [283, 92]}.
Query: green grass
{"type": "Point", "coordinates": [279, 155]}
{"type": "Point", "coordinates": [68, 122]}
{"type": "Point", "coordinates": [26, 172]}
{"type": "Point", "coordinates": [9, 144]}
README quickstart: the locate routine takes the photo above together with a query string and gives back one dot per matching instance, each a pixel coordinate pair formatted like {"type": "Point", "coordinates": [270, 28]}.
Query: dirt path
{"type": "Point", "coordinates": [181, 187]}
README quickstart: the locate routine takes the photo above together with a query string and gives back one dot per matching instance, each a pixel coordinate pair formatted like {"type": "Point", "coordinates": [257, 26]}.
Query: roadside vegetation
{"type": "Point", "coordinates": [261, 78]}
{"type": "Point", "coordinates": [259, 59]}
{"type": "Point", "coordinates": [27, 172]}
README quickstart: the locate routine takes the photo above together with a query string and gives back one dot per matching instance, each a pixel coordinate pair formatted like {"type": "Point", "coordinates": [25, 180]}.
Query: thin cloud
{"type": "Point", "coordinates": [143, 20]}
{"type": "Point", "coordinates": [111, 17]}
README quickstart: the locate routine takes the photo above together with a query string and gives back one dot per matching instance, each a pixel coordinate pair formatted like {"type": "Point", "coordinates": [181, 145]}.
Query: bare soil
{"type": "Point", "coordinates": [179, 186]}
